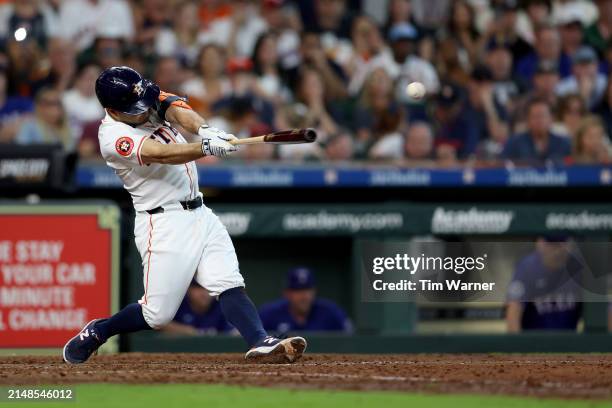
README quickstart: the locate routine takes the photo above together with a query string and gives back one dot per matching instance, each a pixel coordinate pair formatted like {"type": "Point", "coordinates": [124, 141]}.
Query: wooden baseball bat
{"type": "Point", "coordinates": [293, 136]}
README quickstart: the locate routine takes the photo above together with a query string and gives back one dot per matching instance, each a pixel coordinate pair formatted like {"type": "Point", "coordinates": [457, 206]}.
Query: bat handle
{"type": "Point", "coordinates": [248, 141]}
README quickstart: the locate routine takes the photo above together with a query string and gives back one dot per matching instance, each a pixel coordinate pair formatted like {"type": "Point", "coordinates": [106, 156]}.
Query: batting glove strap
{"type": "Point", "coordinates": [216, 147]}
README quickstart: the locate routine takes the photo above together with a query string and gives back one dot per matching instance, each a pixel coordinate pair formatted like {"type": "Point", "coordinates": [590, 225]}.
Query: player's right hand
{"type": "Point", "coordinates": [215, 142]}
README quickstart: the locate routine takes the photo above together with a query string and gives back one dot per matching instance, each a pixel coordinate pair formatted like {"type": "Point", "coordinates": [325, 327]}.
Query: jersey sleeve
{"type": "Point", "coordinates": [120, 146]}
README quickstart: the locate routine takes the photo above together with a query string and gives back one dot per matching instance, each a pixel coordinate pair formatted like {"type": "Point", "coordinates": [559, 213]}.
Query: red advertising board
{"type": "Point", "coordinates": [55, 276]}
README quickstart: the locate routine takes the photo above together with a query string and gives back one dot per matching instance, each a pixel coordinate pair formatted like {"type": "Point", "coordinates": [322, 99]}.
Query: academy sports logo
{"type": "Point", "coordinates": [124, 146]}
{"type": "Point", "coordinates": [469, 221]}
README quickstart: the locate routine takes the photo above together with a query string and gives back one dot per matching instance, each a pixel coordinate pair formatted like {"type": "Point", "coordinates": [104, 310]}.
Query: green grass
{"type": "Point", "coordinates": [222, 396]}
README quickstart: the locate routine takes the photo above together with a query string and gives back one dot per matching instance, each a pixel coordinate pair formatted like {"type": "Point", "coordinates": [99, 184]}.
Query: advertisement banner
{"type": "Point", "coordinates": [406, 219]}
{"type": "Point", "coordinates": [57, 267]}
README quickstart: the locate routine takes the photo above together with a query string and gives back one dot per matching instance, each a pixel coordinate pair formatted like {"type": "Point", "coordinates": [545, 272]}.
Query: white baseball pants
{"type": "Point", "coordinates": [176, 246]}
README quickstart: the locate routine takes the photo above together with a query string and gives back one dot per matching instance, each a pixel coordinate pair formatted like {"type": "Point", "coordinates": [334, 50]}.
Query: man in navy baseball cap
{"type": "Point", "coordinates": [301, 310]}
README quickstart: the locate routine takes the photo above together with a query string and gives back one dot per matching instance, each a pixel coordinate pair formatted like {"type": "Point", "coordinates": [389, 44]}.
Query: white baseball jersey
{"type": "Point", "coordinates": [151, 185]}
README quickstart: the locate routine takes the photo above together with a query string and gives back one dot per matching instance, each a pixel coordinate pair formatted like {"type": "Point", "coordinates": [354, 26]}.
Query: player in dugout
{"type": "Point", "coordinates": [301, 309]}
{"type": "Point", "coordinates": [199, 314]}
{"type": "Point", "coordinates": [544, 293]}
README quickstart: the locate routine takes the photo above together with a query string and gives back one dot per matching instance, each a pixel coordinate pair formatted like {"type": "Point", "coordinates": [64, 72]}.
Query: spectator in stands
{"type": "Point", "coordinates": [450, 62]}
{"type": "Point", "coordinates": [372, 115]}
{"type": "Point", "coordinates": [570, 112]}
{"type": "Point", "coordinates": [181, 39]}
{"type": "Point", "coordinates": [403, 65]}
{"type": "Point", "coordinates": [570, 29]}
{"type": "Point", "coordinates": [309, 110]}
{"type": "Point", "coordinates": [80, 101]}
{"type": "Point", "coordinates": [238, 116]}
{"type": "Point", "coordinates": [283, 20]}
{"type": "Point", "coordinates": [80, 20]}
{"type": "Point", "coordinates": [301, 309]}
{"type": "Point", "coordinates": [237, 31]}
{"type": "Point", "coordinates": [151, 17]}
{"type": "Point", "coordinates": [547, 48]}
{"type": "Point", "coordinates": [60, 66]}
{"type": "Point", "coordinates": [367, 43]}
{"type": "Point", "coordinates": [446, 153]}
{"type": "Point", "coordinates": [585, 80]}
{"type": "Point", "coordinates": [545, 81]}
{"type": "Point", "coordinates": [599, 34]}
{"type": "Point", "coordinates": [330, 16]}
{"type": "Point", "coordinates": [210, 84]}
{"type": "Point", "coordinates": [503, 29]}
{"type": "Point", "coordinates": [485, 115]}
{"type": "Point", "coordinates": [313, 57]}
{"type": "Point", "coordinates": [431, 15]}
{"type": "Point", "coordinates": [89, 144]}
{"type": "Point", "coordinates": [27, 15]}
{"type": "Point", "coordinates": [50, 124]}
{"type": "Point", "coordinates": [213, 10]}
{"type": "Point", "coordinates": [339, 146]}
{"type": "Point", "coordinates": [106, 52]}
{"type": "Point", "coordinates": [388, 140]}
{"type": "Point", "coordinates": [399, 11]}
{"type": "Point", "coordinates": [198, 314]}
{"type": "Point", "coordinates": [419, 143]}
{"type": "Point", "coordinates": [13, 110]}
{"type": "Point", "coordinates": [169, 75]}
{"type": "Point", "coordinates": [591, 145]}
{"type": "Point", "coordinates": [544, 293]}
{"type": "Point", "coordinates": [536, 14]}
{"type": "Point", "coordinates": [243, 84]}
{"type": "Point", "coordinates": [538, 143]}
{"type": "Point", "coordinates": [506, 87]}
{"type": "Point", "coordinates": [604, 109]}
{"type": "Point", "coordinates": [26, 65]}
{"type": "Point", "coordinates": [451, 125]}
{"type": "Point", "coordinates": [462, 29]}
{"type": "Point", "coordinates": [266, 66]}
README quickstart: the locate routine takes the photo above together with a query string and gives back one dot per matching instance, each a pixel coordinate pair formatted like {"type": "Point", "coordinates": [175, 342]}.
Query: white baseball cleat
{"type": "Point", "coordinates": [273, 350]}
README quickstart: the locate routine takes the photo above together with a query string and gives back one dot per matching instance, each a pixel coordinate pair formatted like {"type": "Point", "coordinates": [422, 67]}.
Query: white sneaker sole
{"type": "Point", "coordinates": [74, 337]}
{"type": "Point", "coordinates": [286, 351]}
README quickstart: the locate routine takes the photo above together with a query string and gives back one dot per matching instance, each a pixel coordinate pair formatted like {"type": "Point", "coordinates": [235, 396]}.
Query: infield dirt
{"type": "Point", "coordinates": [560, 376]}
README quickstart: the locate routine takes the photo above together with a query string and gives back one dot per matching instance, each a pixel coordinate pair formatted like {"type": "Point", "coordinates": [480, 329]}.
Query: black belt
{"type": "Point", "coordinates": [187, 205]}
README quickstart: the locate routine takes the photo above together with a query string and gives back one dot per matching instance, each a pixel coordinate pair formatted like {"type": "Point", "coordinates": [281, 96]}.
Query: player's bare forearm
{"type": "Point", "coordinates": [186, 118]}
{"type": "Point", "coordinates": [154, 152]}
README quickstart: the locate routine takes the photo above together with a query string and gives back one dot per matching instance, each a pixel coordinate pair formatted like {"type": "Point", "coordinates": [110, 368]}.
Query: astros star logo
{"type": "Point", "coordinates": [138, 89]}
{"type": "Point", "coordinates": [124, 146]}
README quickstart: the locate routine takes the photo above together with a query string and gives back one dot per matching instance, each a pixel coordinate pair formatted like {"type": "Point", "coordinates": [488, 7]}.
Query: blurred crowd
{"type": "Point", "coordinates": [527, 81]}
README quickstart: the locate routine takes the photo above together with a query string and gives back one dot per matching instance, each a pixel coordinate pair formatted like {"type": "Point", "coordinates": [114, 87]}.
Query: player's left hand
{"type": "Point", "coordinates": [216, 142]}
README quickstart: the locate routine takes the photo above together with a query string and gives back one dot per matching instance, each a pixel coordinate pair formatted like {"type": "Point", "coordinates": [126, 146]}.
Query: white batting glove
{"type": "Point", "coordinates": [215, 142]}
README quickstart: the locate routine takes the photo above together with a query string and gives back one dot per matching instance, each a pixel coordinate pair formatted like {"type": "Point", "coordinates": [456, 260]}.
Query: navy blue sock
{"type": "Point", "coordinates": [240, 311]}
{"type": "Point", "coordinates": [127, 320]}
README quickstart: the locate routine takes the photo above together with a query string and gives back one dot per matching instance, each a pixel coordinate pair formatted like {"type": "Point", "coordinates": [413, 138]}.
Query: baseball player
{"type": "Point", "coordinates": [179, 238]}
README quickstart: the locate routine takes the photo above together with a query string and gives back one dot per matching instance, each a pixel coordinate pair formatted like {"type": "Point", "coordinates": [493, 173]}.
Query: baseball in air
{"type": "Point", "coordinates": [415, 90]}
